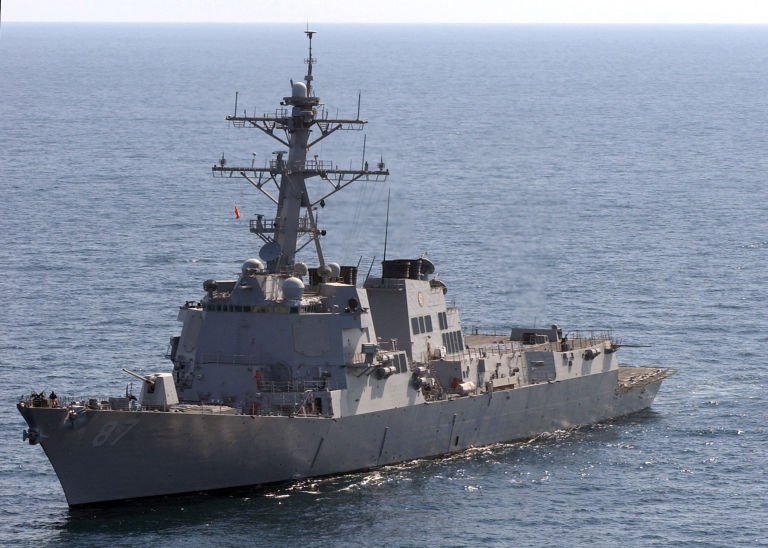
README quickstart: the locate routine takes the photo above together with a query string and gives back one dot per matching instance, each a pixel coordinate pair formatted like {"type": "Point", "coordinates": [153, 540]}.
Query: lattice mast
{"type": "Point", "coordinates": [294, 226]}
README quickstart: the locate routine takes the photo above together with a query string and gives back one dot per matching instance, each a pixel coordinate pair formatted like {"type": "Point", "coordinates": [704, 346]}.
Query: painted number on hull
{"type": "Point", "coordinates": [112, 432]}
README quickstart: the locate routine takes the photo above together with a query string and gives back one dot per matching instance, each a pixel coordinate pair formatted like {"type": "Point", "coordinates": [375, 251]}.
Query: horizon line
{"type": "Point", "coordinates": [453, 23]}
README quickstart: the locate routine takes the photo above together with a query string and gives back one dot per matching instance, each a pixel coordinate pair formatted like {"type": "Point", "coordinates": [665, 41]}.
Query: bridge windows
{"type": "Point", "coordinates": [442, 319]}
{"type": "Point", "coordinates": [453, 341]}
{"type": "Point", "coordinates": [421, 324]}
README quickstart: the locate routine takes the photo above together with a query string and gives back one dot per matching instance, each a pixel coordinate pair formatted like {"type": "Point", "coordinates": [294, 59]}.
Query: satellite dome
{"type": "Point", "coordinates": [299, 90]}
{"type": "Point", "coordinates": [324, 271]}
{"type": "Point", "coordinates": [293, 289]}
{"type": "Point", "coordinates": [252, 266]}
{"type": "Point", "coordinates": [300, 269]}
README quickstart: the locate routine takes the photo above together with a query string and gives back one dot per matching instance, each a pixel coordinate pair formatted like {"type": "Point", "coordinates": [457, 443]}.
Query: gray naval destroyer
{"type": "Point", "coordinates": [291, 372]}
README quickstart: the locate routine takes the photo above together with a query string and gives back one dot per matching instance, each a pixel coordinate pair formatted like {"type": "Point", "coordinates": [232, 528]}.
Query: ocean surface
{"type": "Point", "coordinates": [594, 177]}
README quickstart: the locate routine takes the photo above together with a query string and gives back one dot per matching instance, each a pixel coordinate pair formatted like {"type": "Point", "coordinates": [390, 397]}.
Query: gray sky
{"type": "Point", "coordinates": [391, 11]}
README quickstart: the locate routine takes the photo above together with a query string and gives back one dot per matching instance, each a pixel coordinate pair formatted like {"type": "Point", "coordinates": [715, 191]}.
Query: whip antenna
{"type": "Point", "coordinates": [386, 226]}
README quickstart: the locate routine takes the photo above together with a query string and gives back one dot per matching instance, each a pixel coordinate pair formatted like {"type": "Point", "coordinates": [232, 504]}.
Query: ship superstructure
{"type": "Point", "coordinates": [294, 370]}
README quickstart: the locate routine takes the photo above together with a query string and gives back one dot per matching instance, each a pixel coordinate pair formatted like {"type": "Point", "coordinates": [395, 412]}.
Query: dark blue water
{"type": "Point", "coordinates": [588, 176]}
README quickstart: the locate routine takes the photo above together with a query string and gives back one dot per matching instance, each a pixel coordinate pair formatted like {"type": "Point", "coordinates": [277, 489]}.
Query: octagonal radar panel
{"type": "Point", "coordinates": [270, 251]}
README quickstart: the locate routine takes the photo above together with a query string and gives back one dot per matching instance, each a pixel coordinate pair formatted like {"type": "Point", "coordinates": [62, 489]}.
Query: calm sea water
{"type": "Point", "coordinates": [594, 177]}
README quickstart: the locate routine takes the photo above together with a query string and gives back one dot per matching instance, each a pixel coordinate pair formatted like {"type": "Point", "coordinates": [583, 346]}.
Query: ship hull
{"type": "Point", "coordinates": [103, 456]}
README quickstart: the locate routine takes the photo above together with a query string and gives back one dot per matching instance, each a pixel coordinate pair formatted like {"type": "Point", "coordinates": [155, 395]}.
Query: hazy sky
{"type": "Point", "coordinates": [391, 11]}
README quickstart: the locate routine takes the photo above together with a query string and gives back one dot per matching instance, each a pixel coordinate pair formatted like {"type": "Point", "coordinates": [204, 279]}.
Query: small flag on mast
{"type": "Point", "coordinates": [237, 213]}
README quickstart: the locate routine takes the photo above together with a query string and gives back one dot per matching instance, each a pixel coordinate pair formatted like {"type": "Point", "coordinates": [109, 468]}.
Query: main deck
{"type": "Point", "coordinates": [631, 378]}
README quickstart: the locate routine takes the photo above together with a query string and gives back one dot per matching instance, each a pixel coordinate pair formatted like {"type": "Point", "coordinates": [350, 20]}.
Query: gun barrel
{"type": "Point", "coordinates": [140, 377]}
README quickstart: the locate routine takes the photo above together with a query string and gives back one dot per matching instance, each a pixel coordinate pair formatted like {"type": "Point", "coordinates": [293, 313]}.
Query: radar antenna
{"type": "Point", "coordinates": [309, 60]}
{"type": "Point", "coordinates": [294, 225]}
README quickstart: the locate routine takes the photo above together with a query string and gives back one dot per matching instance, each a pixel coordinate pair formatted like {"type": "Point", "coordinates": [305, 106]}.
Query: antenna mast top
{"type": "Point", "coordinates": [309, 61]}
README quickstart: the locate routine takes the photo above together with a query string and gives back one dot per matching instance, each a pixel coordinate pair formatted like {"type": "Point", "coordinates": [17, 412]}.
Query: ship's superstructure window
{"type": "Point", "coordinates": [428, 321]}
{"type": "Point", "coordinates": [401, 363]}
{"type": "Point", "coordinates": [442, 319]}
{"type": "Point", "coordinates": [453, 341]}
{"type": "Point", "coordinates": [421, 324]}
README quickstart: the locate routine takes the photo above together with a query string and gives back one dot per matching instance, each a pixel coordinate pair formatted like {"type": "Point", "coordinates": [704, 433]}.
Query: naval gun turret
{"type": "Point", "coordinates": [158, 391]}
